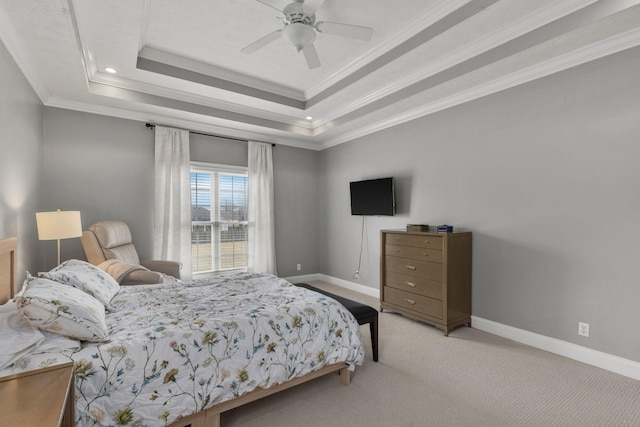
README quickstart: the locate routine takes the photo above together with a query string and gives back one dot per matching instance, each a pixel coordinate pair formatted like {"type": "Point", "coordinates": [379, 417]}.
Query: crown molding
{"type": "Point", "coordinates": [543, 15]}
{"type": "Point", "coordinates": [205, 111]}
{"type": "Point", "coordinates": [207, 101]}
{"type": "Point", "coordinates": [489, 41]}
{"type": "Point", "coordinates": [87, 58]}
{"type": "Point", "coordinates": [161, 57]}
{"type": "Point", "coordinates": [576, 57]}
{"type": "Point", "coordinates": [171, 120]}
{"type": "Point", "coordinates": [168, 58]}
{"type": "Point", "coordinates": [424, 21]}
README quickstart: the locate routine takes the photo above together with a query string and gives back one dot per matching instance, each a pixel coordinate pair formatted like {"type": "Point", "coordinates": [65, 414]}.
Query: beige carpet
{"type": "Point", "coordinates": [470, 378]}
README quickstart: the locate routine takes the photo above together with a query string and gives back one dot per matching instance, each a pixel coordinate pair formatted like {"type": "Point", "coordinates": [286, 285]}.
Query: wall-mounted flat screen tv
{"type": "Point", "coordinates": [373, 197]}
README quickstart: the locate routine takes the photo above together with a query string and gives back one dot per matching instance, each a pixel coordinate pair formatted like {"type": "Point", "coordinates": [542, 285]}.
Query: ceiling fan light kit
{"type": "Point", "coordinates": [299, 35]}
{"type": "Point", "coordinates": [300, 30]}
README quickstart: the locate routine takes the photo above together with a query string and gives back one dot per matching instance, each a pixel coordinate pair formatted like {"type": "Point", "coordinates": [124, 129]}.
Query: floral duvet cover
{"type": "Point", "coordinates": [175, 349]}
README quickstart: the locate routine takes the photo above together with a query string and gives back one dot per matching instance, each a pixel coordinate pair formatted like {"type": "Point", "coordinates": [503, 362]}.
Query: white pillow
{"type": "Point", "coordinates": [18, 336]}
{"type": "Point", "coordinates": [87, 277]}
{"type": "Point", "coordinates": [63, 310]}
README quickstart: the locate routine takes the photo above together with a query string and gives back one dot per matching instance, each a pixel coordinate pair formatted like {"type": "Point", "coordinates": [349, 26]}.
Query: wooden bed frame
{"type": "Point", "coordinates": [8, 268]}
{"type": "Point", "coordinates": [209, 417]}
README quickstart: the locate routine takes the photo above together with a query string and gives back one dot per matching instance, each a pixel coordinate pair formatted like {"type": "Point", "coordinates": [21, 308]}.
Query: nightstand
{"type": "Point", "coordinates": [38, 398]}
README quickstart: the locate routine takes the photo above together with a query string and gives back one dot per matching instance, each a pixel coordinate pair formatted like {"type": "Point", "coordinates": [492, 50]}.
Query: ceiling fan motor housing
{"type": "Point", "coordinates": [298, 28]}
{"type": "Point", "coordinates": [294, 13]}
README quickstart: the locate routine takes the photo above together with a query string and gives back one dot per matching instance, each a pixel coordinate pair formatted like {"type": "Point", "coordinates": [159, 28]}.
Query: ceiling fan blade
{"type": "Point", "coordinates": [260, 43]}
{"type": "Point", "coordinates": [311, 55]}
{"type": "Point", "coordinates": [314, 5]}
{"type": "Point", "coordinates": [345, 30]}
{"type": "Point", "coordinates": [269, 5]}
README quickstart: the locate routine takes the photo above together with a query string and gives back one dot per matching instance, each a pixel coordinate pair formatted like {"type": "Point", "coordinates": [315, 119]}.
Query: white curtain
{"type": "Point", "coordinates": [172, 210]}
{"type": "Point", "coordinates": [261, 218]}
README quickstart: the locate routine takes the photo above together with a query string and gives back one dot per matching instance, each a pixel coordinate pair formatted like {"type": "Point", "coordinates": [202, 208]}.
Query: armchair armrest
{"type": "Point", "coordinates": [171, 268]}
{"type": "Point", "coordinates": [142, 277]}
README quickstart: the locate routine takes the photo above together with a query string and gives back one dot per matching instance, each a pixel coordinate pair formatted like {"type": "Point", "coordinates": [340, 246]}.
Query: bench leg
{"type": "Point", "coordinates": [373, 327]}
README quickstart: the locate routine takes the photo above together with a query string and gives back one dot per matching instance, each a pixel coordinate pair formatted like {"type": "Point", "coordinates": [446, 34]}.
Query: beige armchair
{"type": "Point", "coordinates": [111, 240]}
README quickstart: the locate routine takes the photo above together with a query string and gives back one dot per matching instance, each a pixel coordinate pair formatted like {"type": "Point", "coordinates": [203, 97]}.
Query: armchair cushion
{"type": "Point", "coordinates": [112, 234]}
{"type": "Point", "coordinates": [115, 240]}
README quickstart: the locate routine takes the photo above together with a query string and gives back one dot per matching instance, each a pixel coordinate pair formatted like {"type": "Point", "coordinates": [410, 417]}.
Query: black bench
{"type": "Point", "coordinates": [363, 313]}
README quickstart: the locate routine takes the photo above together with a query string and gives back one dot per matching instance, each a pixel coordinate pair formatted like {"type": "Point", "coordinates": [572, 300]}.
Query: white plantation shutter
{"type": "Point", "coordinates": [219, 197]}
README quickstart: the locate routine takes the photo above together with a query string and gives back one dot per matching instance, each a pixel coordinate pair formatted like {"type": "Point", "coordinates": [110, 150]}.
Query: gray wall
{"type": "Point", "coordinates": [296, 199]}
{"type": "Point", "coordinates": [204, 148]}
{"type": "Point", "coordinates": [545, 175]}
{"type": "Point", "coordinates": [103, 166]}
{"type": "Point", "coordinates": [21, 162]}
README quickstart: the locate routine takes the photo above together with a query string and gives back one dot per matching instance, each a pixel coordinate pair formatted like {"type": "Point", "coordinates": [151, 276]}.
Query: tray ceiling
{"type": "Point", "coordinates": [180, 63]}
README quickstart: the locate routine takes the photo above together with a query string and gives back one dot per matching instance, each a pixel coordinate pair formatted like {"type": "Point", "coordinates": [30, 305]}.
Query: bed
{"type": "Point", "coordinates": [178, 353]}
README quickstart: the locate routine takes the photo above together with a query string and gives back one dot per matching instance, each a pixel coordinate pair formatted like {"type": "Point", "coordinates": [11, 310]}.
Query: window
{"type": "Point", "coordinates": [219, 197]}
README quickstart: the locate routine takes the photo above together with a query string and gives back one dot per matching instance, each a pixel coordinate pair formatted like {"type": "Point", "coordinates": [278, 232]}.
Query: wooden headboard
{"type": "Point", "coordinates": [8, 267]}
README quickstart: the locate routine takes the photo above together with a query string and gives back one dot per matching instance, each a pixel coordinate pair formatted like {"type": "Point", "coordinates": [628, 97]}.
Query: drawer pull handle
{"type": "Point", "coordinates": [427, 241]}
{"type": "Point", "coordinates": [410, 267]}
{"type": "Point", "coordinates": [410, 301]}
{"type": "Point", "coordinates": [413, 285]}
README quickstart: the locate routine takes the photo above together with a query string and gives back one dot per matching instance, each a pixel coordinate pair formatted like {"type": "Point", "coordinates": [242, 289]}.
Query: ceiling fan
{"type": "Point", "coordinates": [300, 28]}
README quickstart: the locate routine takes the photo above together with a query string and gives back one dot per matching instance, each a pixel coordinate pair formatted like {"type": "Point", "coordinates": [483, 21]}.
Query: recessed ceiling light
{"type": "Point", "coordinates": [309, 118]}
{"type": "Point", "coordinates": [110, 70]}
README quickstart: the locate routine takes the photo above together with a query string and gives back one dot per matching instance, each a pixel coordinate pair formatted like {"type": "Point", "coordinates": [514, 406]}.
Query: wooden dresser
{"type": "Point", "coordinates": [427, 276]}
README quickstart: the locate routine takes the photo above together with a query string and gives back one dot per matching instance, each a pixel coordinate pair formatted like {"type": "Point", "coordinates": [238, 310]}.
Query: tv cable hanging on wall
{"type": "Point", "coordinates": [356, 275]}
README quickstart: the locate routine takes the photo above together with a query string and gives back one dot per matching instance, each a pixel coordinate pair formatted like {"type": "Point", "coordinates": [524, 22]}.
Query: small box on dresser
{"type": "Point", "coordinates": [427, 276]}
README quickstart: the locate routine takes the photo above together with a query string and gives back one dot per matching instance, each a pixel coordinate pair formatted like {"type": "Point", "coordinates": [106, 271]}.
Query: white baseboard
{"type": "Point", "coordinates": [619, 365]}
{"type": "Point", "coordinates": [302, 279]}
{"type": "Point", "coordinates": [357, 287]}
{"type": "Point", "coordinates": [612, 363]}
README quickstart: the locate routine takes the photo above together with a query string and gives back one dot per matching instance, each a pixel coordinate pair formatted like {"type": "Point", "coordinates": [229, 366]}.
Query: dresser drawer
{"type": "Point", "coordinates": [432, 255]}
{"type": "Point", "coordinates": [415, 268]}
{"type": "Point", "coordinates": [416, 285]}
{"type": "Point", "coordinates": [416, 303]}
{"type": "Point", "coordinates": [428, 242]}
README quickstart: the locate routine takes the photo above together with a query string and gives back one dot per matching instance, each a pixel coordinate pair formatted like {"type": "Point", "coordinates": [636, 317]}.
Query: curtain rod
{"type": "Point", "coordinates": [152, 125]}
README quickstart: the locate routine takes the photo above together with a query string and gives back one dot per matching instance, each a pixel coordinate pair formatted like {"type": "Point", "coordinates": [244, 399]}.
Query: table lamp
{"type": "Point", "coordinates": [58, 225]}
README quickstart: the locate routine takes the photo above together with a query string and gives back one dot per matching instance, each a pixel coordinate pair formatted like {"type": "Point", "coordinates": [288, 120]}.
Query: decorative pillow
{"type": "Point", "coordinates": [63, 310]}
{"type": "Point", "coordinates": [87, 277]}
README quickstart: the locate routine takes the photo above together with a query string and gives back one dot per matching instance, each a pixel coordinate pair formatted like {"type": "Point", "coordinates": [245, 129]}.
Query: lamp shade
{"type": "Point", "coordinates": [58, 225]}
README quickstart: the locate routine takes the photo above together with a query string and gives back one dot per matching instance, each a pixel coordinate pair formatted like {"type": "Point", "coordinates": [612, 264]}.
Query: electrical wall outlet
{"type": "Point", "coordinates": [299, 267]}
{"type": "Point", "coordinates": [583, 329]}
